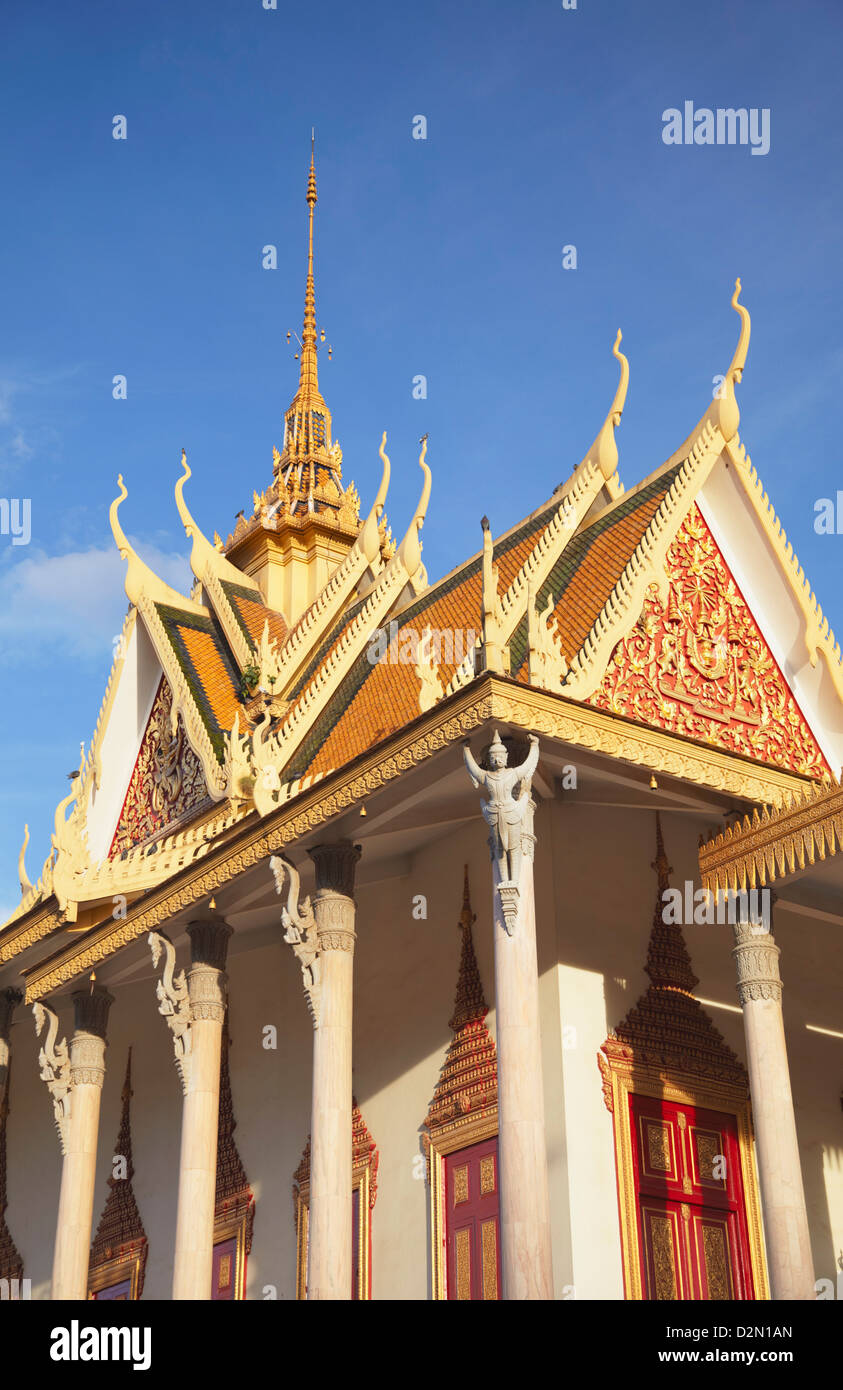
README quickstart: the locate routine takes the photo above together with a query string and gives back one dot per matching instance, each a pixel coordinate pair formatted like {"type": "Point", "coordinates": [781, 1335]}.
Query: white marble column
{"type": "Point", "coordinates": [206, 984]}
{"type": "Point", "coordinates": [526, 1261]}
{"type": "Point", "coordinates": [789, 1258]}
{"type": "Point", "coordinates": [329, 1227]}
{"type": "Point", "coordinates": [76, 1199]}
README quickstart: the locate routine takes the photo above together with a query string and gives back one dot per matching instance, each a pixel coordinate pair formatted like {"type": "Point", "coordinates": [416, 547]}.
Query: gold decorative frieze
{"type": "Point", "coordinates": [695, 663]}
{"type": "Point", "coordinates": [304, 809]}
{"type": "Point", "coordinates": [773, 843]}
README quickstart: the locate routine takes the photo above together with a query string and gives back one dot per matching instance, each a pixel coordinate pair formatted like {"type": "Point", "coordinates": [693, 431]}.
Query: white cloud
{"type": "Point", "coordinates": [73, 603]}
{"type": "Point", "coordinates": [19, 447]}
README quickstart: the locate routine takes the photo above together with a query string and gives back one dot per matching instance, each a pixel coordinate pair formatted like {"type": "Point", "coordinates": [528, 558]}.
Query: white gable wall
{"type": "Point", "coordinates": [137, 684]}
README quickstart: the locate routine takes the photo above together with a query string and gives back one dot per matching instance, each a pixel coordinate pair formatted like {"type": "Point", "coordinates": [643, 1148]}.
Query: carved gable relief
{"type": "Point", "coordinates": [699, 666]}
{"type": "Point", "coordinates": [167, 781]}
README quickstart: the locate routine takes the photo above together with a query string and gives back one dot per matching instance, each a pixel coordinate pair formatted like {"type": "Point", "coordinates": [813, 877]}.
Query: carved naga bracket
{"type": "Point", "coordinates": [54, 1061]}
{"type": "Point", "coordinates": [300, 931]}
{"type": "Point", "coordinates": [173, 1002]}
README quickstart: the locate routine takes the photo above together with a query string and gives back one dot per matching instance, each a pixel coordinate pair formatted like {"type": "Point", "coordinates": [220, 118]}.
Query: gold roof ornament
{"type": "Point", "coordinates": [604, 451]}
{"type": "Point", "coordinates": [25, 884]}
{"type": "Point", "coordinates": [409, 551]}
{"type": "Point", "coordinates": [205, 559]}
{"type": "Point", "coordinates": [141, 581]}
{"type": "Point", "coordinates": [308, 459]}
{"type": "Point", "coordinates": [724, 412]}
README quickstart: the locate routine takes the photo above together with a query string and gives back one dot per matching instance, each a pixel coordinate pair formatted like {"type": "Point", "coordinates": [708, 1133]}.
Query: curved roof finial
{"type": "Point", "coordinates": [724, 412]}
{"type": "Point", "coordinates": [409, 551]}
{"type": "Point", "coordinates": [25, 884]}
{"type": "Point", "coordinates": [368, 541]}
{"type": "Point", "coordinates": [604, 451]}
{"type": "Point", "coordinates": [739, 360]}
{"type": "Point", "coordinates": [623, 385]}
{"type": "Point", "coordinates": [141, 581]}
{"type": "Point", "coordinates": [204, 556]}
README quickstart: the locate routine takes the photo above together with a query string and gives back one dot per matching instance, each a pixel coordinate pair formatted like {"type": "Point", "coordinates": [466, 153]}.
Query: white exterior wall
{"type": "Point", "coordinates": [595, 900]}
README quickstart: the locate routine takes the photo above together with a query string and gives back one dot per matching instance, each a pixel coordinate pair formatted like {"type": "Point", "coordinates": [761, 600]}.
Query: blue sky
{"type": "Point", "coordinates": [440, 257]}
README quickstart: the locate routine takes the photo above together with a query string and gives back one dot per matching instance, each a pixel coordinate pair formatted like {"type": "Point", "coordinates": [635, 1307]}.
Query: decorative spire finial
{"type": "Point", "coordinates": [470, 1003]}
{"type": "Point", "coordinates": [668, 961]}
{"type": "Point", "coordinates": [724, 413]}
{"type": "Point", "coordinates": [604, 451]}
{"type": "Point", "coordinates": [739, 360]}
{"type": "Point", "coordinates": [23, 876]}
{"type": "Point", "coordinates": [307, 423]}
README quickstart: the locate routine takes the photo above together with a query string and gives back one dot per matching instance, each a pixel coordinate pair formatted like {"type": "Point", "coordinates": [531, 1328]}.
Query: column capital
{"type": "Point", "coordinates": [206, 980]}
{"type": "Point", "coordinates": [87, 1046]}
{"type": "Point", "coordinates": [209, 939]}
{"type": "Point", "coordinates": [90, 1010]}
{"type": "Point", "coordinates": [335, 866]}
{"type": "Point", "coordinates": [756, 962]}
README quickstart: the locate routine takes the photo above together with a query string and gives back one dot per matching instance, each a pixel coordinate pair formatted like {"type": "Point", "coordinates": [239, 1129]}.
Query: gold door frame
{"type": "Point", "coordinates": [360, 1181]}
{"type": "Point", "coordinates": [236, 1226]}
{"type": "Point", "coordinates": [707, 1096]}
{"type": "Point", "coordinates": [439, 1144]}
{"type": "Point", "coordinates": [127, 1265]}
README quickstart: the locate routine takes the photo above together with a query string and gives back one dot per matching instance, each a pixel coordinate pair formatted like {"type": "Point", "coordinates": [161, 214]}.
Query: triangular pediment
{"type": "Point", "coordinates": [697, 664]}
{"type": "Point", "coordinates": [167, 785]}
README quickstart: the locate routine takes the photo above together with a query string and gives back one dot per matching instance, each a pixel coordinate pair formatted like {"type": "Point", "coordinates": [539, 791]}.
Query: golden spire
{"type": "Point", "coordinates": [668, 962]}
{"type": "Point", "coordinates": [470, 1004]}
{"type": "Point", "coordinates": [307, 459]}
{"type": "Point", "coordinates": [308, 375]}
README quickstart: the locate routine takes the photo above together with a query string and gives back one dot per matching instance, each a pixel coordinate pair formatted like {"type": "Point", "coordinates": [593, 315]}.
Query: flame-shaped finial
{"type": "Point", "coordinates": [604, 451]}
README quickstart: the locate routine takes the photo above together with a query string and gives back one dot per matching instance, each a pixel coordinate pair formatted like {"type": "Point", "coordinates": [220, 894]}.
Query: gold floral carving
{"type": "Point", "coordinates": [716, 1262]}
{"type": "Point", "coordinates": [167, 782]}
{"type": "Point", "coordinates": [461, 1184]}
{"type": "Point", "coordinates": [772, 843]}
{"type": "Point", "coordinates": [462, 1261]}
{"type": "Point", "coordinates": [489, 1248]}
{"type": "Point", "coordinates": [818, 636]}
{"type": "Point", "coordinates": [658, 1141]}
{"type": "Point", "coordinates": [697, 664]}
{"type": "Point", "coordinates": [664, 1266]}
{"type": "Point", "coordinates": [487, 1175]}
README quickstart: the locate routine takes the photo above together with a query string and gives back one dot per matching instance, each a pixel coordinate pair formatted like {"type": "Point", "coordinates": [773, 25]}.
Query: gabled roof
{"type": "Point", "coordinates": [585, 561]}
{"type": "Point", "coordinates": [200, 650]}
{"type": "Point", "coordinates": [379, 696]}
{"type": "Point", "coordinates": [589, 568]}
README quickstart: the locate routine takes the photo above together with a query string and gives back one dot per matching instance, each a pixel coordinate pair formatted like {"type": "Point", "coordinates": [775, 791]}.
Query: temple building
{"type": "Point", "coordinates": [375, 934]}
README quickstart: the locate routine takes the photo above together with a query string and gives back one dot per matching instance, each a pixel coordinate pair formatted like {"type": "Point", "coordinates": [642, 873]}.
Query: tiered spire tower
{"type": "Point", "coordinates": [308, 458]}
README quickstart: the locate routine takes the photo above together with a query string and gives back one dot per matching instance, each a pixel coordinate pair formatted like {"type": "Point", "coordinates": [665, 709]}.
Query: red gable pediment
{"type": "Point", "coordinates": [699, 666]}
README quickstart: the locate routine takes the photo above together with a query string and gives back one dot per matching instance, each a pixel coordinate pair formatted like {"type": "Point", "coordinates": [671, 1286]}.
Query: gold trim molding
{"type": "Point", "coordinates": [487, 699]}
{"type": "Point", "coordinates": [771, 845]}
{"type": "Point", "coordinates": [460, 1134]}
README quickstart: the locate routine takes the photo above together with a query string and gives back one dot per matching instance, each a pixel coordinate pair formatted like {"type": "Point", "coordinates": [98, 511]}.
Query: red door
{"type": "Point", "coordinates": [355, 1243]}
{"type": "Point", "coordinates": [472, 1223]}
{"type": "Point", "coordinates": [224, 1270]}
{"type": "Point", "coordinates": [690, 1199]}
